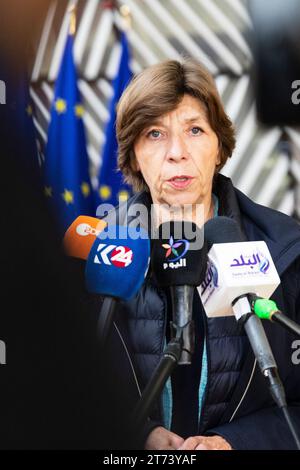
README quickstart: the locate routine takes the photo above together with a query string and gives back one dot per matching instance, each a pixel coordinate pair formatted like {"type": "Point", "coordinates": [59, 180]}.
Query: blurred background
{"type": "Point", "coordinates": [217, 32]}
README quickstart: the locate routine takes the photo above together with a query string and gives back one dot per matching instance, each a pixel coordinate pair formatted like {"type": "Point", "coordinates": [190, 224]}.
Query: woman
{"type": "Point", "coordinates": [174, 137]}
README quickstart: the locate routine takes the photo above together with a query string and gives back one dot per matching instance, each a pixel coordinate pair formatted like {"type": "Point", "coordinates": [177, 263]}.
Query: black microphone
{"type": "Point", "coordinates": [178, 263]}
{"type": "Point", "coordinates": [222, 229]}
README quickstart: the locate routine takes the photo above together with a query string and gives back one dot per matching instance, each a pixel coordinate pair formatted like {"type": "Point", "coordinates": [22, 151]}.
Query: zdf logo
{"type": "Point", "coordinates": [119, 256]}
{"type": "Point", "coordinates": [80, 236]}
{"type": "Point", "coordinates": [85, 229]}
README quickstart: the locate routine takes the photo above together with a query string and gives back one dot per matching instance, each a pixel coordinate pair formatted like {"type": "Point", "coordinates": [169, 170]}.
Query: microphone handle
{"type": "Point", "coordinates": [259, 342]}
{"type": "Point", "coordinates": [154, 388]}
{"type": "Point", "coordinates": [106, 319]}
{"type": "Point", "coordinates": [242, 310]}
{"type": "Point", "coordinates": [285, 321]}
{"type": "Point", "coordinates": [182, 310]}
{"type": "Point", "coordinates": [260, 346]}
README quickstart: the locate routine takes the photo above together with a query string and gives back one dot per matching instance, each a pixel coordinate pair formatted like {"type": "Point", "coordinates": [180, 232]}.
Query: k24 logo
{"type": "Point", "coordinates": [119, 256]}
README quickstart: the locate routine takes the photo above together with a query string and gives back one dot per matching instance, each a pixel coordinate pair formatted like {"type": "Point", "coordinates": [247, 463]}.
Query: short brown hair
{"type": "Point", "coordinates": [158, 90]}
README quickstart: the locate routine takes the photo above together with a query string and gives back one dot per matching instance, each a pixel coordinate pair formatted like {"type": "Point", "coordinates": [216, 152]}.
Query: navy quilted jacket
{"type": "Point", "coordinates": [237, 404]}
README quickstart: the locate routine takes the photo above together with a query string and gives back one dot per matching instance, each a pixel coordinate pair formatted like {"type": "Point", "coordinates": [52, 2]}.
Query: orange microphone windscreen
{"type": "Point", "coordinates": [81, 234]}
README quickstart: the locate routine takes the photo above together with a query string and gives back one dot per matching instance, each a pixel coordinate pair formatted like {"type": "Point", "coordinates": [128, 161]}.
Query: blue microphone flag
{"type": "Point", "coordinates": [118, 263]}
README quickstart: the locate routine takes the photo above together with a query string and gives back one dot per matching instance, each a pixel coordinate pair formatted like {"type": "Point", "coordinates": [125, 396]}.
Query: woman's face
{"type": "Point", "coordinates": [177, 155]}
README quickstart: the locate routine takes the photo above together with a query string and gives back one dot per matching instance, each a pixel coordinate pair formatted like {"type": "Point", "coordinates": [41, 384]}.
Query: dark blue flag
{"type": "Point", "coordinates": [111, 187]}
{"type": "Point", "coordinates": [67, 180]}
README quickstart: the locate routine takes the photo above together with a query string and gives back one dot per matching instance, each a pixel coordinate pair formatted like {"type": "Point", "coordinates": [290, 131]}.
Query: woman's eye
{"type": "Point", "coordinates": [155, 134]}
{"type": "Point", "coordinates": [196, 130]}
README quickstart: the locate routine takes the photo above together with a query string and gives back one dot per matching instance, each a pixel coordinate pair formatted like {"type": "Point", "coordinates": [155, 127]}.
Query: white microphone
{"type": "Point", "coordinates": [234, 268]}
{"type": "Point", "coordinates": [236, 271]}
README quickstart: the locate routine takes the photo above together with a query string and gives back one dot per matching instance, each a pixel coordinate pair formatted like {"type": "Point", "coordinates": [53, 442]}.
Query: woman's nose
{"type": "Point", "coordinates": [176, 149]}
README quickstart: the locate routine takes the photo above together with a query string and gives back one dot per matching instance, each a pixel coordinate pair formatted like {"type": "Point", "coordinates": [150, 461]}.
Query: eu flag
{"type": "Point", "coordinates": [67, 181]}
{"type": "Point", "coordinates": [111, 187]}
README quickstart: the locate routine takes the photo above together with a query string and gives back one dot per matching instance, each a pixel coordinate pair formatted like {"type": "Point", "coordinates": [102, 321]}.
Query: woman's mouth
{"type": "Point", "coordinates": [180, 182]}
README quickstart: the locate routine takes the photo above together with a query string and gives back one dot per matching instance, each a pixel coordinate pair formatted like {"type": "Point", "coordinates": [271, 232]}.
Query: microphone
{"type": "Point", "coordinates": [116, 268]}
{"type": "Point", "coordinates": [237, 270]}
{"type": "Point", "coordinates": [177, 263]}
{"type": "Point", "coordinates": [262, 307]}
{"type": "Point", "coordinates": [81, 235]}
{"type": "Point", "coordinates": [268, 310]}
{"type": "Point", "coordinates": [235, 267]}
{"type": "Point", "coordinates": [245, 270]}
{"type": "Point", "coordinates": [177, 266]}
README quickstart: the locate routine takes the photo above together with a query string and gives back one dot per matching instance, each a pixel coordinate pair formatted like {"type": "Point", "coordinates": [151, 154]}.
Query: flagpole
{"type": "Point", "coordinates": [72, 13]}
{"type": "Point", "coordinates": [111, 187]}
{"type": "Point", "coordinates": [125, 14]}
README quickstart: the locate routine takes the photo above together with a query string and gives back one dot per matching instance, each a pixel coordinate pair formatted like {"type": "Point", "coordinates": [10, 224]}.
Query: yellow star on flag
{"type": "Point", "coordinates": [68, 196]}
{"type": "Point", "coordinates": [48, 191]}
{"type": "Point", "coordinates": [79, 110]}
{"type": "Point", "coordinates": [60, 105]}
{"type": "Point", "coordinates": [29, 110]}
{"type": "Point", "coordinates": [105, 192]}
{"type": "Point", "coordinates": [85, 189]}
{"type": "Point", "coordinates": [123, 195]}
